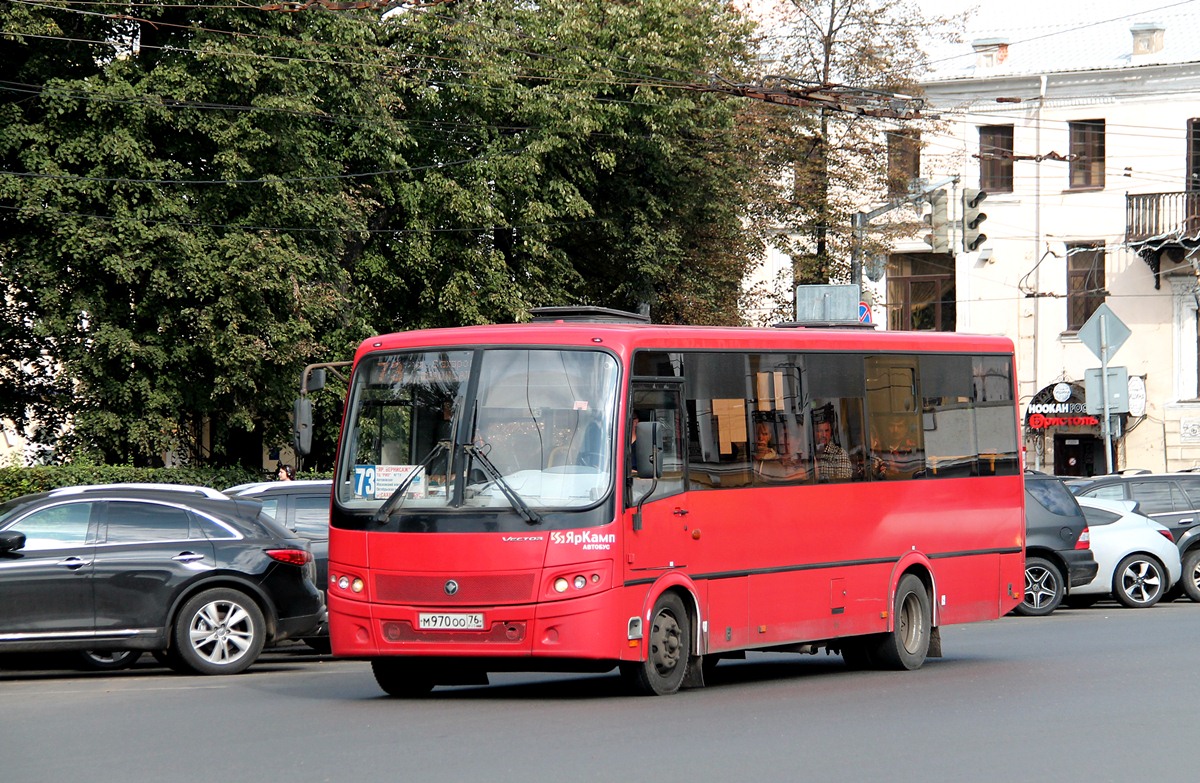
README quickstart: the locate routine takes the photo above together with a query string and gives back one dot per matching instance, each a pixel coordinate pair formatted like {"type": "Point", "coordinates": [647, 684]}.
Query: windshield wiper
{"type": "Point", "coordinates": [397, 497]}
{"type": "Point", "coordinates": [518, 503]}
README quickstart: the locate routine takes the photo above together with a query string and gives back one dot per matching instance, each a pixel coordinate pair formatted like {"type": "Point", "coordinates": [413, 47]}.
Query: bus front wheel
{"type": "Point", "coordinates": [906, 646]}
{"type": "Point", "coordinates": [668, 644]}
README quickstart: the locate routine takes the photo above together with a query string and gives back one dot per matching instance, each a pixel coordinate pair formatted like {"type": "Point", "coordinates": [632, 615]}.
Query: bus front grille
{"type": "Point", "coordinates": [466, 590]}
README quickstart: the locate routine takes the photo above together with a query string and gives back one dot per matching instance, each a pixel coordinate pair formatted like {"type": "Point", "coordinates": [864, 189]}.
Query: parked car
{"type": "Point", "coordinates": [1137, 557]}
{"type": "Point", "coordinates": [202, 580]}
{"type": "Point", "coordinates": [1057, 548]}
{"type": "Point", "coordinates": [1170, 499]}
{"type": "Point", "coordinates": [303, 508]}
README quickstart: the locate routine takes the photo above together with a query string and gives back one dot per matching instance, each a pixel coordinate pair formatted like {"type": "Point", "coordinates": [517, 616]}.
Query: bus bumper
{"type": "Point", "coordinates": [590, 627]}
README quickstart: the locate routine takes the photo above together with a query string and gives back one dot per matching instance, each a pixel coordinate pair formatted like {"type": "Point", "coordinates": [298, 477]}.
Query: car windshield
{"type": "Point", "coordinates": [521, 429]}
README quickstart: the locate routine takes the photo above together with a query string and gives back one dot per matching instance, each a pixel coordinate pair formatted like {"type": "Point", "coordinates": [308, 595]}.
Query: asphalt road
{"type": "Point", "coordinates": [1101, 694]}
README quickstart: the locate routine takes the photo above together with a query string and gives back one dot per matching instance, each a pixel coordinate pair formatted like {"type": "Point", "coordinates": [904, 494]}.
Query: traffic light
{"type": "Point", "coordinates": [938, 221]}
{"type": "Point", "coordinates": [972, 218]}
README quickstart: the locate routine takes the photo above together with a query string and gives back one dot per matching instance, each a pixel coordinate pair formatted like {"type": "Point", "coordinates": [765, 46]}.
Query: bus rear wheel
{"type": "Point", "coordinates": [668, 643]}
{"type": "Point", "coordinates": [906, 646]}
{"type": "Point", "coordinates": [402, 679]}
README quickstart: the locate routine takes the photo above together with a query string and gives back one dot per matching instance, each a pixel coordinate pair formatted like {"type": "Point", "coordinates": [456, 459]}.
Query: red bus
{"type": "Point", "coordinates": [589, 492]}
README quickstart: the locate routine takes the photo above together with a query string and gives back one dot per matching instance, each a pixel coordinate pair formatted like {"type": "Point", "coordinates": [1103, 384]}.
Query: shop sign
{"type": "Point", "coordinates": [1059, 405]}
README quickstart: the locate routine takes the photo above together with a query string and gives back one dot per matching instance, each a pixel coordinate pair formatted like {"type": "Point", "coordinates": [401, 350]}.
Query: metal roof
{"type": "Point", "coordinates": [1068, 36]}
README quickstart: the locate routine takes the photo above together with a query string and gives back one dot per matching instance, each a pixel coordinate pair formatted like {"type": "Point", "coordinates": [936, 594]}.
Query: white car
{"type": "Point", "coordinates": [1137, 556]}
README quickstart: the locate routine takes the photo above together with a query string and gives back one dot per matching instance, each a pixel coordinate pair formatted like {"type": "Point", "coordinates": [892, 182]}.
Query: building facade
{"type": "Point", "coordinates": [1086, 141]}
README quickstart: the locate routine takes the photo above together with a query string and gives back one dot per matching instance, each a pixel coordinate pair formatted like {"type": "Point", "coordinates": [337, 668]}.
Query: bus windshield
{"type": "Point", "coordinates": [496, 428]}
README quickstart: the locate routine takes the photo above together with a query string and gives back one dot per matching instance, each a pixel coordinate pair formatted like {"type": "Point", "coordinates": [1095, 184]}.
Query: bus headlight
{"type": "Point", "coordinates": [580, 582]}
{"type": "Point", "coordinates": [561, 585]}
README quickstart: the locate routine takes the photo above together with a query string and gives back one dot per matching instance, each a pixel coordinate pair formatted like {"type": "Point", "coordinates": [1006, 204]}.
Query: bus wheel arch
{"type": "Point", "coordinates": [669, 642]}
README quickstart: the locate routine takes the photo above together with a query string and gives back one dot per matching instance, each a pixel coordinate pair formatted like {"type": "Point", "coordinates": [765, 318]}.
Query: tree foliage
{"type": "Point", "coordinates": [870, 44]}
{"type": "Point", "coordinates": [197, 201]}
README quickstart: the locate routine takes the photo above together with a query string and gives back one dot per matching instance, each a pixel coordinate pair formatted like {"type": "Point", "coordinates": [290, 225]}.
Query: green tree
{"type": "Point", "coordinates": [179, 221]}
{"type": "Point", "coordinates": [869, 45]}
{"type": "Point", "coordinates": [201, 200]}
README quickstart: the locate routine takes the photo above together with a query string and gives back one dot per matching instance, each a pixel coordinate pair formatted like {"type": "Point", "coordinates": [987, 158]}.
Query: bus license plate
{"type": "Point", "coordinates": [446, 621]}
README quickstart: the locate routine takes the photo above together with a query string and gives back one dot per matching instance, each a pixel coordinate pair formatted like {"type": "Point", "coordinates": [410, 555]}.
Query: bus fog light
{"type": "Point", "coordinates": [560, 585]}
{"type": "Point", "coordinates": [595, 578]}
{"type": "Point", "coordinates": [356, 586]}
{"type": "Point", "coordinates": [580, 582]}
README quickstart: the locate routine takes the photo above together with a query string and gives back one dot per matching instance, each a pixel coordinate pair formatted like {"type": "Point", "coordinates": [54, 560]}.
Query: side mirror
{"type": "Point", "coordinates": [11, 540]}
{"type": "Point", "coordinates": [647, 450]}
{"type": "Point", "coordinates": [315, 380]}
{"type": "Point", "coordinates": [302, 423]}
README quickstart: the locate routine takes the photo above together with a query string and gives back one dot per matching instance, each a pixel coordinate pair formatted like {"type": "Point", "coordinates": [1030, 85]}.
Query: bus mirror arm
{"type": "Point", "coordinates": [637, 514]}
{"type": "Point", "coordinates": [647, 461]}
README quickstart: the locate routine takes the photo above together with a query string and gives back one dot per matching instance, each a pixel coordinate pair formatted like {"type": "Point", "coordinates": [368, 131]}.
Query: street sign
{"type": "Point", "coordinates": [1104, 334]}
{"type": "Point", "coordinates": [1118, 390]}
{"type": "Point", "coordinates": [1103, 329]}
{"type": "Point", "coordinates": [864, 313]}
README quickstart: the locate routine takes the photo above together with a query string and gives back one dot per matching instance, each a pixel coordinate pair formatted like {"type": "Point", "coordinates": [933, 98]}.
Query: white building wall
{"type": "Point", "coordinates": [1017, 287]}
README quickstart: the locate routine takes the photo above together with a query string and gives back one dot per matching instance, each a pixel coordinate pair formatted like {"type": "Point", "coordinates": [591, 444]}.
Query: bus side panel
{"type": "Point", "coordinates": [728, 606]}
{"type": "Point", "coordinates": [805, 563]}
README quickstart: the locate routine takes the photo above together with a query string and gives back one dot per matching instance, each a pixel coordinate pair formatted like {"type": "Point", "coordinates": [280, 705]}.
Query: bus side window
{"type": "Point", "coordinates": [662, 406]}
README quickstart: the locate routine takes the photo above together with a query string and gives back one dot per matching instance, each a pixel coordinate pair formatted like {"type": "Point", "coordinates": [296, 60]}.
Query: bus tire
{"type": "Point", "coordinates": [906, 646]}
{"type": "Point", "coordinates": [668, 642]}
{"type": "Point", "coordinates": [402, 679]}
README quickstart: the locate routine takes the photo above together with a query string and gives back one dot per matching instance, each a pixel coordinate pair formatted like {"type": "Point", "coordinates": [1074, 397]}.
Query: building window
{"type": "Point", "coordinates": [1085, 282]}
{"type": "Point", "coordinates": [903, 160]}
{"type": "Point", "coordinates": [921, 293]}
{"type": "Point", "coordinates": [1087, 154]}
{"type": "Point", "coordinates": [996, 158]}
{"type": "Point", "coordinates": [1193, 155]}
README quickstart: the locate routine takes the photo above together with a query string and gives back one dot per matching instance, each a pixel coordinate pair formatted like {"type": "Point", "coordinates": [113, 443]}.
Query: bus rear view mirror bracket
{"type": "Point", "coordinates": [647, 461]}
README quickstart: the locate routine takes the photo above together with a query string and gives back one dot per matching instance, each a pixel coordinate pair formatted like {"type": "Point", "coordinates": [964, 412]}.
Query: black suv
{"type": "Point", "coordinates": [302, 507]}
{"type": "Point", "coordinates": [1170, 499]}
{"type": "Point", "coordinates": [1057, 555]}
{"type": "Point", "coordinates": [200, 579]}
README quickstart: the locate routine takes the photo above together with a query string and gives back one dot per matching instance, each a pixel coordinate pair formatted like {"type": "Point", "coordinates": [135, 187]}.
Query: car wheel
{"type": "Point", "coordinates": [108, 660]}
{"type": "Point", "coordinates": [1139, 581]}
{"type": "Point", "coordinates": [1191, 574]}
{"type": "Point", "coordinates": [1044, 589]}
{"type": "Point", "coordinates": [219, 631]}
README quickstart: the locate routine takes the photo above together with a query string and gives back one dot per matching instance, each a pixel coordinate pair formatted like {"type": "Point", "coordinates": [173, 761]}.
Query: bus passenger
{"type": "Point", "coordinates": [894, 451]}
{"type": "Point", "coordinates": [833, 463]}
{"type": "Point", "coordinates": [763, 448]}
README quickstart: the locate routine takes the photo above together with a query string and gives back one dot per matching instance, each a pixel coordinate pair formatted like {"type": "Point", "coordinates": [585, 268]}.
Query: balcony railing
{"type": "Point", "coordinates": [1162, 217]}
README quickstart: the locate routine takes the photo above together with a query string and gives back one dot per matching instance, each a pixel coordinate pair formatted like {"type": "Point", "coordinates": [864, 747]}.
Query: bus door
{"type": "Point", "coordinates": [661, 539]}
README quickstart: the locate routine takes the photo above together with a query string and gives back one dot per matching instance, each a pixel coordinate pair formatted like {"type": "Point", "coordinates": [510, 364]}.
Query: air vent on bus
{"type": "Point", "coordinates": [587, 313]}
